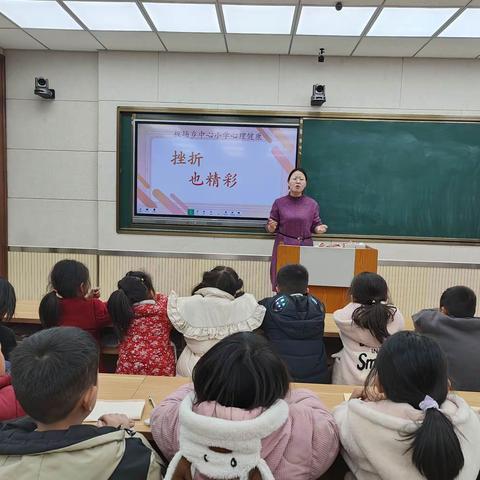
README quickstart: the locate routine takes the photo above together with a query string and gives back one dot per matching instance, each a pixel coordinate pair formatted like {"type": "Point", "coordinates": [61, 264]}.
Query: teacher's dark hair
{"type": "Point", "coordinates": [301, 170]}
{"type": "Point", "coordinates": [410, 366]}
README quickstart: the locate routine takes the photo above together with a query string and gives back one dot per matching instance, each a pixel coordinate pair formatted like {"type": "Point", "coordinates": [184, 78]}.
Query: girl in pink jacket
{"type": "Point", "coordinates": [240, 416]}
{"type": "Point", "coordinates": [364, 324]}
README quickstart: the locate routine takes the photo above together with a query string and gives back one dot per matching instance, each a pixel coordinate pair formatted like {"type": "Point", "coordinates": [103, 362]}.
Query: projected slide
{"type": "Point", "coordinates": [212, 170]}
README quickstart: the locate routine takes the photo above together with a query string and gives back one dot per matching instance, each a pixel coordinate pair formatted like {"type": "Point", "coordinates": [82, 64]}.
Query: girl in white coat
{"type": "Point", "coordinates": [363, 324]}
{"type": "Point", "coordinates": [405, 424]}
{"type": "Point", "coordinates": [217, 308]}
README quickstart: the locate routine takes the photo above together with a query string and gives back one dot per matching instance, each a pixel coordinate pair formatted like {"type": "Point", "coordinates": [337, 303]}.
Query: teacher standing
{"type": "Point", "coordinates": [293, 218]}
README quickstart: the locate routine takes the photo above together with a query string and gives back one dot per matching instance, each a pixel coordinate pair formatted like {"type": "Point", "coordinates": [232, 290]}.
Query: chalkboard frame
{"type": "Point", "coordinates": [125, 227]}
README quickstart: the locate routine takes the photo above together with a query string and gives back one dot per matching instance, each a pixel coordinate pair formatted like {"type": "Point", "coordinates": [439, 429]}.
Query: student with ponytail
{"type": "Point", "coordinates": [71, 302]}
{"type": "Point", "coordinates": [139, 317]}
{"type": "Point", "coordinates": [217, 308]}
{"type": "Point", "coordinates": [364, 324]}
{"type": "Point", "coordinates": [404, 423]}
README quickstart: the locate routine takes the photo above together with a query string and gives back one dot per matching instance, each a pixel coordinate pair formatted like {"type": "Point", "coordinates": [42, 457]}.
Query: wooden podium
{"type": "Point", "coordinates": [330, 269]}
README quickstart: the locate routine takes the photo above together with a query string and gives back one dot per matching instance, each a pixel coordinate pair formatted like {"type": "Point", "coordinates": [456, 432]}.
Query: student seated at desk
{"type": "Point", "coordinates": [364, 324]}
{"type": "Point", "coordinates": [71, 302]}
{"type": "Point", "coordinates": [139, 317]}
{"type": "Point", "coordinates": [294, 325]}
{"type": "Point", "coordinates": [217, 308]}
{"type": "Point", "coordinates": [9, 406]}
{"type": "Point", "coordinates": [457, 330]}
{"type": "Point", "coordinates": [404, 423]}
{"type": "Point", "coordinates": [240, 400]}
{"type": "Point", "coordinates": [54, 373]}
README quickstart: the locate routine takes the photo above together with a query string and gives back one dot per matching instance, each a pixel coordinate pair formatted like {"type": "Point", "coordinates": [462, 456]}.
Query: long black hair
{"type": "Point", "coordinates": [66, 280]}
{"type": "Point", "coordinates": [374, 313]}
{"type": "Point", "coordinates": [134, 287]}
{"type": "Point", "coordinates": [242, 371]}
{"type": "Point", "coordinates": [410, 366]}
{"type": "Point", "coordinates": [223, 278]}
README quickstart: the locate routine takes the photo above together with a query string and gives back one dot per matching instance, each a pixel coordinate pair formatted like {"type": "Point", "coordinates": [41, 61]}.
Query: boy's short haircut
{"type": "Point", "coordinates": [459, 301]}
{"type": "Point", "coordinates": [292, 279]}
{"type": "Point", "coordinates": [52, 369]}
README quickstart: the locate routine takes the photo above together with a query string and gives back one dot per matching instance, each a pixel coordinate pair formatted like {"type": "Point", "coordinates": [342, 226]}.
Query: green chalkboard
{"type": "Point", "coordinates": [395, 178]}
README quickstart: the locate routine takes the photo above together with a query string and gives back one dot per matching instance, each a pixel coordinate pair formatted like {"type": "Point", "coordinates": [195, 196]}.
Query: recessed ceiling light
{"type": "Point", "coordinates": [466, 25]}
{"type": "Point", "coordinates": [183, 17]}
{"type": "Point", "coordinates": [38, 14]}
{"type": "Point", "coordinates": [410, 22]}
{"type": "Point", "coordinates": [263, 19]}
{"type": "Point", "coordinates": [329, 21]}
{"type": "Point", "coordinates": [113, 16]}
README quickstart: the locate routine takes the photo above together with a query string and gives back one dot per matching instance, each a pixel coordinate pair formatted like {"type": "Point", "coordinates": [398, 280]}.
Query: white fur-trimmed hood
{"type": "Point", "coordinates": [240, 438]}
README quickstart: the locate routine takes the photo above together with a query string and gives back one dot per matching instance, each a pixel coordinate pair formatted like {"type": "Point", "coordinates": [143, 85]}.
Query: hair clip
{"type": "Point", "coordinates": [427, 403]}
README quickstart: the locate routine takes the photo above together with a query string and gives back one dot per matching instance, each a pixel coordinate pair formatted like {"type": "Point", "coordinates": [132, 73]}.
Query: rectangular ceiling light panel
{"type": "Point", "coordinates": [110, 16]}
{"type": "Point", "coordinates": [184, 17]}
{"type": "Point", "coordinates": [467, 25]}
{"type": "Point", "coordinates": [262, 19]}
{"type": "Point", "coordinates": [325, 21]}
{"type": "Point", "coordinates": [38, 14]}
{"type": "Point", "coordinates": [410, 22]}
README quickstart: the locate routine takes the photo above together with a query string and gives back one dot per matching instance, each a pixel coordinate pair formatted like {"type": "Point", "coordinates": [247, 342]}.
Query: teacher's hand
{"type": "Point", "coordinates": [271, 225]}
{"type": "Point", "coordinates": [321, 228]}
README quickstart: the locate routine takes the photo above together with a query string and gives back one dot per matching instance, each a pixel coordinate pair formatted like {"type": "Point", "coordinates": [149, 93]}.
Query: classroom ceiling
{"type": "Point", "coordinates": [385, 28]}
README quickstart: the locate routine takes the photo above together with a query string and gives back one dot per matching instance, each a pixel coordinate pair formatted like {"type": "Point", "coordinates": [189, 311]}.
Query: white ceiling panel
{"type": "Point", "coordinates": [388, 47]}
{"type": "Point", "coordinates": [326, 21]}
{"type": "Point", "coordinates": [426, 3]}
{"type": "Point", "coordinates": [66, 39]}
{"type": "Point", "coordinates": [309, 45]}
{"type": "Point", "coordinates": [6, 23]}
{"type": "Point", "coordinates": [410, 22]}
{"type": "Point", "coordinates": [264, 19]}
{"type": "Point", "coordinates": [346, 3]}
{"type": "Point", "coordinates": [194, 42]}
{"type": "Point", "coordinates": [137, 41]}
{"type": "Point", "coordinates": [111, 15]}
{"type": "Point", "coordinates": [451, 48]}
{"type": "Point", "coordinates": [466, 25]}
{"type": "Point", "coordinates": [186, 17]}
{"type": "Point", "coordinates": [266, 44]}
{"type": "Point", "coordinates": [38, 14]}
{"type": "Point", "coordinates": [256, 2]}
{"type": "Point", "coordinates": [15, 38]}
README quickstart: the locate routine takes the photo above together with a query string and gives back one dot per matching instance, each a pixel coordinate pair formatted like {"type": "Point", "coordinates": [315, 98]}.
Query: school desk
{"type": "Point", "coordinates": [125, 387]}
{"type": "Point", "coordinates": [27, 312]}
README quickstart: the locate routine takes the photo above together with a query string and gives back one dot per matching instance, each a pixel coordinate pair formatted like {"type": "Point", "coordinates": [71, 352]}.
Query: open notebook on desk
{"type": "Point", "coordinates": [131, 408]}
